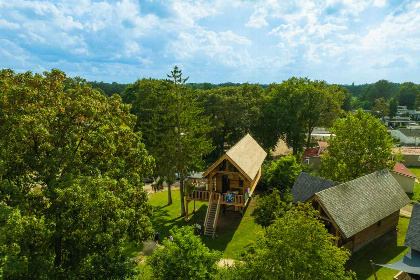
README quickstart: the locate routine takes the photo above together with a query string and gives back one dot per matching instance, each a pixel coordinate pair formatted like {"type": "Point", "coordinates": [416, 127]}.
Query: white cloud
{"type": "Point", "coordinates": [4, 24]}
{"type": "Point", "coordinates": [379, 3]}
{"type": "Point", "coordinates": [257, 19]}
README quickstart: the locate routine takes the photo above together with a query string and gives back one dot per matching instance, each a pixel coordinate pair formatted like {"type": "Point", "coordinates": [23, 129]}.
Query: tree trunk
{"type": "Point", "coordinates": [181, 191]}
{"type": "Point", "coordinates": [57, 250]}
{"type": "Point", "coordinates": [308, 140]}
{"type": "Point", "coordinates": [169, 194]}
{"type": "Point", "coordinates": [295, 150]}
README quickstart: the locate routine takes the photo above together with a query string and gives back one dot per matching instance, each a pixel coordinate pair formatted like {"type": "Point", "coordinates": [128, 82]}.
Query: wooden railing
{"type": "Point", "coordinates": [207, 215]}
{"type": "Point", "coordinates": [199, 195]}
{"type": "Point", "coordinates": [217, 212]}
{"type": "Point", "coordinates": [237, 199]}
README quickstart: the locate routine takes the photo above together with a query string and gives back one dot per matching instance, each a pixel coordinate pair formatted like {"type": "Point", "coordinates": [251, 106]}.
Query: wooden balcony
{"type": "Point", "coordinates": [238, 199]}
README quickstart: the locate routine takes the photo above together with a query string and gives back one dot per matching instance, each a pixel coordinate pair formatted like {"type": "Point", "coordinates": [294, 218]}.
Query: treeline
{"type": "Point", "coordinates": [357, 96]}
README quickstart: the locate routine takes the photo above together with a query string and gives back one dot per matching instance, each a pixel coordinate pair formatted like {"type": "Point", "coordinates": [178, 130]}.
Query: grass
{"type": "Point", "coordinates": [235, 233]}
{"type": "Point", "coordinates": [415, 197]}
{"type": "Point", "coordinates": [386, 249]}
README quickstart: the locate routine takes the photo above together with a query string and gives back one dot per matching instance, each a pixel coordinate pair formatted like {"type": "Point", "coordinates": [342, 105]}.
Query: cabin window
{"type": "Point", "coordinates": [241, 183]}
{"type": "Point", "coordinates": [379, 223]}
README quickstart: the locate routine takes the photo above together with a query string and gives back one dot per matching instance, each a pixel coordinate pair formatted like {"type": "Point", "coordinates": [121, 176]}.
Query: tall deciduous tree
{"type": "Point", "coordinates": [380, 108]}
{"type": "Point", "coordinates": [361, 145]}
{"type": "Point", "coordinates": [294, 108]}
{"type": "Point", "coordinates": [232, 111]}
{"type": "Point", "coordinates": [174, 126]}
{"type": "Point", "coordinates": [184, 258]}
{"type": "Point", "coordinates": [296, 246]}
{"type": "Point", "coordinates": [393, 107]}
{"type": "Point", "coordinates": [407, 94]}
{"type": "Point", "coordinates": [70, 180]}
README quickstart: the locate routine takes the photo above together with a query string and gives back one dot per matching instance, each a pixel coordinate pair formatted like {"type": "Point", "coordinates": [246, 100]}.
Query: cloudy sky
{"type": "Point", "coordinates": [215, 40]}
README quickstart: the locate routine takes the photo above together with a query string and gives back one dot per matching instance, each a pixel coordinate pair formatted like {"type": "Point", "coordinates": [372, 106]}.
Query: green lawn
{"type": "Point", "coordinates": [386, 249]}
{"type": "Point", "coordinates": [415, 197]}
{"type": "Point", "coordinates": [235, 233]}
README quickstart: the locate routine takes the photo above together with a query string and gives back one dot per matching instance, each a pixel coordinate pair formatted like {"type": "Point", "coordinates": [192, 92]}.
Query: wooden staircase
{"type": "Point", "coordinates": [212, 215]}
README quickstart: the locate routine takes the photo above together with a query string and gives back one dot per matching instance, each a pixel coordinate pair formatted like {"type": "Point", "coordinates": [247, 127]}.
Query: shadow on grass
{"type": "Point", "coordinates": [227, 225]}
{"type": "Point", "coordinates": [163, 222]}
{"type": "Point", "coordinates": [381, 251]}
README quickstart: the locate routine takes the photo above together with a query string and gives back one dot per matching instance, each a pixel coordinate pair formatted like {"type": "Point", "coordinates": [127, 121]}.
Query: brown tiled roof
{"type": "Point", "coordinates": [323, 144]}
{"type": "Point", "coordinates": [311, 152]}
{"type": "Point", "coordinates": [401, 169]}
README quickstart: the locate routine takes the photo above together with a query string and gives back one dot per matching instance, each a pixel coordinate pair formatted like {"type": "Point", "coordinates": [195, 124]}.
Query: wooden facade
{"type": "Point", "coordinates": [357, 211]}
{"type": "Point", "coordinates": [361, 238]}
{"type": "Point", "coordinates": [231, 181]}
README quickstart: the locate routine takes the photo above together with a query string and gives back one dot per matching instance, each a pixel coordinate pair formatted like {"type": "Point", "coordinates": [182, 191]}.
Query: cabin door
{"type": "Point", "coordinates": [225, 183]}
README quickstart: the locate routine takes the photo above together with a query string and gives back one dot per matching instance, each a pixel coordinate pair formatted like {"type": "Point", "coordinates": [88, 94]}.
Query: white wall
{"type": "Point", "coordinates": [406, 140]}
{"type": "Point", "coordinates": [407, 183]}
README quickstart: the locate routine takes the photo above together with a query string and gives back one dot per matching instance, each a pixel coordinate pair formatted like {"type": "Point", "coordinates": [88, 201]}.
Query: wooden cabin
{"type": "Point", "coordinates": [231, 181]}
{"type": "Point", "coordinates": [359, 211]}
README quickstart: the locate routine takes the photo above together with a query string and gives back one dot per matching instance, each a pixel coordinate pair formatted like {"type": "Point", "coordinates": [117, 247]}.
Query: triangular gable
{"type": "Point", "coordinates": [219, 161]}
{"type": "Point", "coordinates": [246, 155]}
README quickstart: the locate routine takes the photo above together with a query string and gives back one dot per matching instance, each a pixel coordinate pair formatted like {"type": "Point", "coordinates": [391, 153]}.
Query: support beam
{"type": "Point", "coordinates": [186, 211]}
{"type": "Point", "coordinates": [194, 208]}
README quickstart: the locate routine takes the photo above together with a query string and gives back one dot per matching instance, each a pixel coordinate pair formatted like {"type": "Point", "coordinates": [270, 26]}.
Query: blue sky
{"type": "Point", "coordinates": [215, 40]}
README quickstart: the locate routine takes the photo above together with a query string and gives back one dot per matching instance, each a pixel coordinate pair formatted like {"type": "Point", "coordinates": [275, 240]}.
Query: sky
{"type": "Point", "coordinates": [349, 41]}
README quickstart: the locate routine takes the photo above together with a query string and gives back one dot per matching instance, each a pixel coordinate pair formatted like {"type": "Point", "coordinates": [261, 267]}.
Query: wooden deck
{"type": "Point", "coordinates": [238, 200]}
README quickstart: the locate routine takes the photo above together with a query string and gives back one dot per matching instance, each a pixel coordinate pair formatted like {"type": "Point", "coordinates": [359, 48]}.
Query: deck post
{"type": "Point", "coordinates": [194, 207]}
{"type": "Point", "coordinates": [186, 210]}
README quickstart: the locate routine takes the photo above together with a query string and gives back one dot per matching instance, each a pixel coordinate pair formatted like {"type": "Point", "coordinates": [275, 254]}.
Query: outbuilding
{"type": "Point", "coordinates": [404, 177]}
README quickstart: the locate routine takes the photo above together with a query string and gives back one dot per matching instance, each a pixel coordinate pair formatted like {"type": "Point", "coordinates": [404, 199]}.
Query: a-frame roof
{"type": "Point", "coordinates": [247, 156]}
{"type": "Point", "coordinates": [357, 204]}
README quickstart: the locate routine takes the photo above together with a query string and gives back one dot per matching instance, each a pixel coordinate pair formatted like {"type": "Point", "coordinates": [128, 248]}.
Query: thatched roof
{"type": "Point", "coordinates": [306, 185]}
{"type": "Point", "coordinates": [357, 204]}
{"type": "Point", "coordinates": [247, 156]}
{"type": "Point", "coordinates": [412, 239]}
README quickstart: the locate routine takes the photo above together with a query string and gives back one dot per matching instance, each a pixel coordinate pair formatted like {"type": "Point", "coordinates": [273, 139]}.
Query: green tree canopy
{"type": "Point", "coordinates": [281, 174]}
{"type": "Point", "coordinates": [407, 94]}
{"type": "Point", "coordinates": [294, 108]}
{"type": "Point", "coordinates": [184, 258]}
{"type": "Point", "coordinates": [361, 145]}
{"type": "Point", "coordinates": [232, 112]}
{"type": "Point", "coordinates": [296, 246]}
{"type": "Point", "coordinates": [381, 88]}
{"type": "Point", "coordinates": [70, 180]}
{"type": "Point", "coordinates": [271, 206]}
{"type": "Point", "coordinates": [380, 108]}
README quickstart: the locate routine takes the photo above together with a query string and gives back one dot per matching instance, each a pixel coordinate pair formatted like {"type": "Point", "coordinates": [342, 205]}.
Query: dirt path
{"type": "Point", "coordinates": [149, 189]}
{"type": "Point", "coordinates": [226, 262]}
{"type": "Point", "coordinates": [406, 210]}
